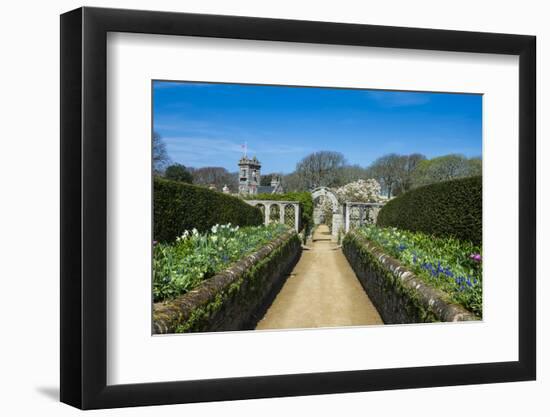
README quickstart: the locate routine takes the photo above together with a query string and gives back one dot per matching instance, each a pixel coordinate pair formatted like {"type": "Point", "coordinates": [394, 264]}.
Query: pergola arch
{"type": "Point", "coordinates": [337, 209]}
{"type": "Point", "coordinates": [326, 192]}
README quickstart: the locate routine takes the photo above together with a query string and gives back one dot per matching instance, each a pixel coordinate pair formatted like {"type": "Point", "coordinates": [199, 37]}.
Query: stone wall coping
{"type": "Point", "coordinates": [362, 203]}
{"type": "Point", "coordinates": [272, 201]}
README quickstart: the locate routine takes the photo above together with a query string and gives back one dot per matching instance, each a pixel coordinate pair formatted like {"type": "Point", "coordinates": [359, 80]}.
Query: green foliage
{"type": "Point", "coordinates": [445, 168]}
{"type": "Point", "coordinates": [181, 266]}
{"type": "Point", "coordinates": [450, 208]}
{"type": "Point", "coordinates": [451, 265]}
{"type": "Point", "coordinates": [475, 167]}
{"type": "Point", "coordinates": [179, 207]}
{"type": "Point", "coordinates": [306, 204]}
{"type": "Point", "coordinates": [178, 172]}
{"type": "Point", "coordinates": [394, 172]}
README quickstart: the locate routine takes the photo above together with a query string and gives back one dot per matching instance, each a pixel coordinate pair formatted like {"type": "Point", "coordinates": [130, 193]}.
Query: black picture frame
{"type": "Point", "coordinates": [84, 207]}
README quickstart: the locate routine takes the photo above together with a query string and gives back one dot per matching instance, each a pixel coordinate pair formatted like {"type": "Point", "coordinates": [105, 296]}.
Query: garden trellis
{"type": "Point", "coordinates": [358, 214]}
{"type": "Point", "coordinates": [274, 211]}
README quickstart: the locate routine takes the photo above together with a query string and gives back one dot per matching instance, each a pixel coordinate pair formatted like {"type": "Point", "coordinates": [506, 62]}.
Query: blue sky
{"type": "Point", "coordinates": [205, 124]}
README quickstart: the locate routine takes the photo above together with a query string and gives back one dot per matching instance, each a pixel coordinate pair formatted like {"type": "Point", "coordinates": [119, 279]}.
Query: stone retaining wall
{"type": "Point", "coordinates": [398, 294]}
{"type": "Point", "coordinates": [234, 299]}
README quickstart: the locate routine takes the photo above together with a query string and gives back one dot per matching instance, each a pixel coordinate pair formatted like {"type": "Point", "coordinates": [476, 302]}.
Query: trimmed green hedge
{"type": "Point", "coordinates": [306, 204]}
{"type": "Point", "coordinates": [179, 207]}
{"type": "Point", "coordinates": [450, 208]}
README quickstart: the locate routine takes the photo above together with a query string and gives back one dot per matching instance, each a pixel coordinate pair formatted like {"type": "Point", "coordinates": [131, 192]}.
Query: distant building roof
{"type": "Point", "coordinates": [265, 189]}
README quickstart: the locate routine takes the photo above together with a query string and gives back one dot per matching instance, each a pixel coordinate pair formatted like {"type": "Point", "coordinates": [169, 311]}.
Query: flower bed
{"type": "Point", "coordinates": [448, 264]}
{"type": "Point", "coordinates": [194, 257]}
{"type": "Point", "coordinates": [235, 298]}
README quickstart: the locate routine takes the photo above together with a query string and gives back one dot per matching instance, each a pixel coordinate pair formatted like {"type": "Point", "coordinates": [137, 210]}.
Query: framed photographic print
{"type": "Point", "coordinates": [257, 207]}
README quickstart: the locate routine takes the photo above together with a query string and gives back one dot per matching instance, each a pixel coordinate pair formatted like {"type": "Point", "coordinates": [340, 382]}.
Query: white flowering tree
{"type": "Point", "coordinates": [360, 191]}
{"type": "Point", "coordinates": [325, 204]}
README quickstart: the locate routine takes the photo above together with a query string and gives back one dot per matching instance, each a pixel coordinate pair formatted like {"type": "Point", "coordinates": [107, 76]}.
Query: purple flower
{"type": "Point", "coordinates": [475, 257]}
{"type": "Point", "coordinates": [154, 242]}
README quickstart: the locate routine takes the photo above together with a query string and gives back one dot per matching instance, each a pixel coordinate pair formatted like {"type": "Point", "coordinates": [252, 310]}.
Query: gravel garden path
{"type": "Point", "coordinates": [321, 291]}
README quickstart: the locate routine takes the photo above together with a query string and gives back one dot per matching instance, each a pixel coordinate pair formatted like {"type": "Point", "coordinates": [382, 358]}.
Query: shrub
{"type": "Point", "coordinates": [179, 207]}
{"type": "Point", "coordinates": [178, 172]}
{"type": "Point", "coordinates": [306, 204]}
{"type": "Point", "coordinates": [451, 208]}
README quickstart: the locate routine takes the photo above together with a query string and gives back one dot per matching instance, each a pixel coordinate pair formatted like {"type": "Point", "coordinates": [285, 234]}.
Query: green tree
{"type": "Point", "coordinates": [405, 170]}
{"type": "Point", "coordinates": [388, 170]}
{"type": "Point", "coordinates": [351, 173]}
{"type": "Point", "coordinates": [475, 166]}
{"type": "Point", "coordinates": [216, 177]}
{"type": "Point", "coordinates": [445, 168]}
{"type": "Point", "coordinates": [178, 172]}
{"type": "Point", "coordinates": [292, 182]}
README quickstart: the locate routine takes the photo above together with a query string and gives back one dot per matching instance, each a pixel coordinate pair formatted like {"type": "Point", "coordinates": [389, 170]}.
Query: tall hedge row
{"type": "Point", "coordinates": [179, 206]}
{"type": "Point", "coordinates": [306, 204]}
{"type": "Point", "coordinates": [450, 208]}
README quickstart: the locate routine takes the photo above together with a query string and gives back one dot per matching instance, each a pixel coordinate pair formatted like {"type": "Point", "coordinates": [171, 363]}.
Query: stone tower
{"type": "Point", "coordinates": [249, 175]}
